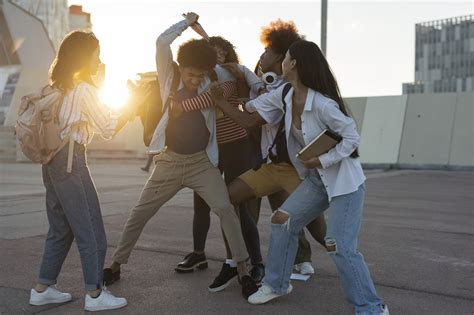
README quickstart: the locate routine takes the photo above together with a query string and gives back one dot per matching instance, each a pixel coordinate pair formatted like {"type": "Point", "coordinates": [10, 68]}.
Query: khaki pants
{"type": "Point", "coordinates": [172, 173]}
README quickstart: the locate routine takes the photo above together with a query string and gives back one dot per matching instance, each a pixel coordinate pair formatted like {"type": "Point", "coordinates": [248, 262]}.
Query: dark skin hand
{"type": "Point", "coordinates": [138, 95]}
{"type": "Point", "coordinates": [242, 118]}
{"type": "Point", "coordinates": [242, 86]}
{"type": "Point", "coordinates": [311, 163]}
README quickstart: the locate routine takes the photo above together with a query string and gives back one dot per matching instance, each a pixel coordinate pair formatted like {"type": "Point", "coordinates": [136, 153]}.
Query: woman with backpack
{"type": "Point", "coordinates": [333, 181]}
{"type": "Point", "coordinates": [72, 204]}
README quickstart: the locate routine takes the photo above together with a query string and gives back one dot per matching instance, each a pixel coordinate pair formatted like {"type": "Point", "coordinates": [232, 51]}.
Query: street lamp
{"type": "Point", "coordinates": [324, 17]}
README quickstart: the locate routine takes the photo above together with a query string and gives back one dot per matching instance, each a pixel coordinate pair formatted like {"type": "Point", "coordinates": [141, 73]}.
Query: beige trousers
{"type": "Point", "coordinates": [172, 173]}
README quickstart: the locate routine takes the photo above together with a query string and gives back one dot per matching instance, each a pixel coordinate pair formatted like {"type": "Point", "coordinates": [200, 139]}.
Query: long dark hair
{"type": "Point", "coordinates": [74, 56]}
{"type": "Point", "coordinates": [315, 73]}
{"type": "Point", "coordinates": [227, 46]}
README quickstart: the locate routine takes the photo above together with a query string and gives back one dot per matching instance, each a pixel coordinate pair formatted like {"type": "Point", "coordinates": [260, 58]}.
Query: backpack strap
{"type": "Point", "coordinates": [281, 127]}
{"type": "Point", "coordinates": [286, 89]}
{"type": "Point", "coordinates": [70, 153]}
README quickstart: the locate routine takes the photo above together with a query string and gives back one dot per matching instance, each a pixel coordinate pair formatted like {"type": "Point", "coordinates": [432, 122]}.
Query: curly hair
{"type": "Point", "coordinates": [226, 46]}
{"type": "Point", "coordinates": [197, 53]}
{"type": "Point", "coordinates": [279, 35]}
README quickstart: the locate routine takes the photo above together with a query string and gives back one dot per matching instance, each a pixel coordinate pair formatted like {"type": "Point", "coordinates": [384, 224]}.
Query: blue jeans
{"type": "Point", "coordinates": [305, 204]}
{"type": "Point", "coordinates": [73, 212]}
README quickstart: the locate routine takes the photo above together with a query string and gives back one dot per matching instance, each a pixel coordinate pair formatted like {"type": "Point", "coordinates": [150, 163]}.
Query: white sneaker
{"type": "Point", "coordinates": [105, 301]}
{"type": "Point", "coordinates": [305, 268]}
{"type": "Point", "coordinates": [385, 310]}
{"type": "Point", "coordinates": [266, 294]}
{"type": "Point", "coordinates": [48, 296]}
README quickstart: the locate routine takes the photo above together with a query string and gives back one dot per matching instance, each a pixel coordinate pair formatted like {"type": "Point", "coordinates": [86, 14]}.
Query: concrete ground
{"type": "Point", "coordinates": [417, 238]}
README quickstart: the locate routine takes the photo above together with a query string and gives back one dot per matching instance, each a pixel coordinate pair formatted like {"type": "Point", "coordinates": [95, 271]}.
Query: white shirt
{"type": "Point", "coordinates": [83, 109]}
{"type": "Point", "coordinates": [269, 131]}
{"type": "Point", "coordinates": [340, 173]}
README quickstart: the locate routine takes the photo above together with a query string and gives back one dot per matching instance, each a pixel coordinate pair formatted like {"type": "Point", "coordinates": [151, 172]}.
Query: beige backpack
{"type": "Point", "coordinates": [40, 140]}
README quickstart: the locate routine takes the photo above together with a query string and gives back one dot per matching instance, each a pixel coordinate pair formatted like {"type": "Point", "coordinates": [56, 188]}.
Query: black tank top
{"type": "Point", "coordinates": [188, 133]}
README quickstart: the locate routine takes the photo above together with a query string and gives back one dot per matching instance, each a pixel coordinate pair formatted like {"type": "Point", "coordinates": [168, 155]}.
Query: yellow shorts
{"type": "Point", "coordinates": [271, 178]}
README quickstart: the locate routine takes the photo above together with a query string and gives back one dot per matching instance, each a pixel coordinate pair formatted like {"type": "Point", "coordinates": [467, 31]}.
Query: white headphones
{"type": "Point", "coordinates": [269, 78]}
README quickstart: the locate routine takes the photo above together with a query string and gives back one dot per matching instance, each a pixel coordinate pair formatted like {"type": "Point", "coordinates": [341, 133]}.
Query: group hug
{"type": "Point", "coordinates": [230, 134]}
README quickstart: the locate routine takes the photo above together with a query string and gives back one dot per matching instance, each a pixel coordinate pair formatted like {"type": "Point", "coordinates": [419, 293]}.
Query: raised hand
{"type": "Point", "coordinates": [191, 18]}
{"type": "Point", "coordinates": [138, 95]}
{"type": "Point", "coordinates": [311, 163]}
{"type": "Point", "coordinates": [234, 69]}
{"type": "Point", "coordinates": [217, 93]}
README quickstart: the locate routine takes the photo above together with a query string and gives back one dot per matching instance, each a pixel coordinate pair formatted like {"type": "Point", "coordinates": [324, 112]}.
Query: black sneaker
{"type": "Point", "coordinates": [190, 262]}
{"type": "Point", "coordinates": [249, 286]}
{"type": "Point", "coordinates": [224, 278]}
{"type": "Point", "coordinates": [257, 273]}
{"type": "Point", "coordinates": [110, 277]}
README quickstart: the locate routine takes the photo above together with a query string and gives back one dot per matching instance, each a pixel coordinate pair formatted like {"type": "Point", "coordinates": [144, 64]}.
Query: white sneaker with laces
{"type": "Point", "coordinates": [385, 310]}
{"type": "Point", "coordinates": [305, 268]}
{"type": "Point", "coordinates": [48, 296]}
{"type": "Point", "coordinates": [266, 294]}
{"type": "Point", "coordinates": [105, 301]}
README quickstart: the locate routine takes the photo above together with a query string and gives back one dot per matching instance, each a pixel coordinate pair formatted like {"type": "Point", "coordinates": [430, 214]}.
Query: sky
{"type": "Point", "coordinates": [370, 44]}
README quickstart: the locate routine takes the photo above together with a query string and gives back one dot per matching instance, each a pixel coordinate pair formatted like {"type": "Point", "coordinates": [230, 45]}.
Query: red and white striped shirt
{"type": "Point", "coordinates": [227, 130]}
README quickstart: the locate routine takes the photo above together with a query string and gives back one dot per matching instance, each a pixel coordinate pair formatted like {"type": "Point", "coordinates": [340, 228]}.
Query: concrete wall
{"type": "Point", "coordinates": [461, 151]}
{"type": "Point", "coordinates": [34, 50]}
{"type": "Point", "coordinates": [416, 130]}
{"type": "Point", "coordinates": [427, 129]}
{"type": "Point", "coordinates": [382, 129]}
{"type": "Point", "coordinates": [357, 109]}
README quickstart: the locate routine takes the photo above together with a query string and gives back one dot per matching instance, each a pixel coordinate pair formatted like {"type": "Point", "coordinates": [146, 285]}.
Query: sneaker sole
{"type": "Point", "coordinates": [270, 298]}
{"type": "Point", "coordinates": [102, 308]}
{"type": "Point", "coordinates": [200, 266]}
{"type": "Point", "coordinates": [57, 301]}
{"type": "Point", "coordinates": [222, 287]}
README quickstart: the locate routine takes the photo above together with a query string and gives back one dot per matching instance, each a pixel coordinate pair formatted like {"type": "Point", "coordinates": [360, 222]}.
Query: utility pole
{"type": "Point", "coordinates": [324, 22]}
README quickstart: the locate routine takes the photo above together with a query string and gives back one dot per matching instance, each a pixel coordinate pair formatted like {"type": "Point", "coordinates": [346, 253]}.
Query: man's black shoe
{"type": "Point", "coordinates": [190, 262]}
{"type": "Point", "coordinates": [224, 278]}
{"type": "Point", "coordinates": [110, 277]}
{"type": "Point", "coordinates": [249, 286]}
{"type": "Point", "coordinates": [257, 273]}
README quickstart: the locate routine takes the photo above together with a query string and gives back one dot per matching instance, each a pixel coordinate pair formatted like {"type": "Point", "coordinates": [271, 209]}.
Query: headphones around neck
{"type": "Point", "coordinates": [269, 78]}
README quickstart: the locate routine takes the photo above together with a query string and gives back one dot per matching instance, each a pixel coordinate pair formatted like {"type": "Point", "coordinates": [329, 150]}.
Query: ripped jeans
{"type": "Point", "coordinates": [305, 204]}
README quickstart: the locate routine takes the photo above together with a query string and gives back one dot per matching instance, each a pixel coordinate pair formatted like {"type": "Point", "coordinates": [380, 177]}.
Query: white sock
{"type": "Point", "coordinates": [231, 263]}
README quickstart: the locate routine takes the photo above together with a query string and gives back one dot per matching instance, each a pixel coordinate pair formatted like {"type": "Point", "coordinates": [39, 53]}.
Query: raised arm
{"type": "Point", "coordinates": [164, 56]}
{"type": "Point", "coordinates": [246, 80]}
{"type": "Point", "coordinates": [268, 109]}
{"type": "Point", "coordinates": [204, 100]}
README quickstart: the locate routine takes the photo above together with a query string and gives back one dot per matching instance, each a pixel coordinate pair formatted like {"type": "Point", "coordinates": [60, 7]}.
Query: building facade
{"type": "Point", "coordinates": [78, 19]}
{"type": "Point", "coordinates": [53, 14]}
{"type": "Point", "coordinates": [444, 56]}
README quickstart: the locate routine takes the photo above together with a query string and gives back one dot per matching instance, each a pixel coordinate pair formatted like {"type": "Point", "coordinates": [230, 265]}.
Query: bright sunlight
{"type": "Point", "coordinates": [114, 93]}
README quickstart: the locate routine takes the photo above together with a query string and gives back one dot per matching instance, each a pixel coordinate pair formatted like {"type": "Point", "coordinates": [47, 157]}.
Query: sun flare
{"type": "Point", "coordinates": [114, 94]}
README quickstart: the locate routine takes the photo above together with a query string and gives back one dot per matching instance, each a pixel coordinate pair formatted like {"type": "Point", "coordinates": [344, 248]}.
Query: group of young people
{"type": "Point", "coordinates": [207, 130]}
